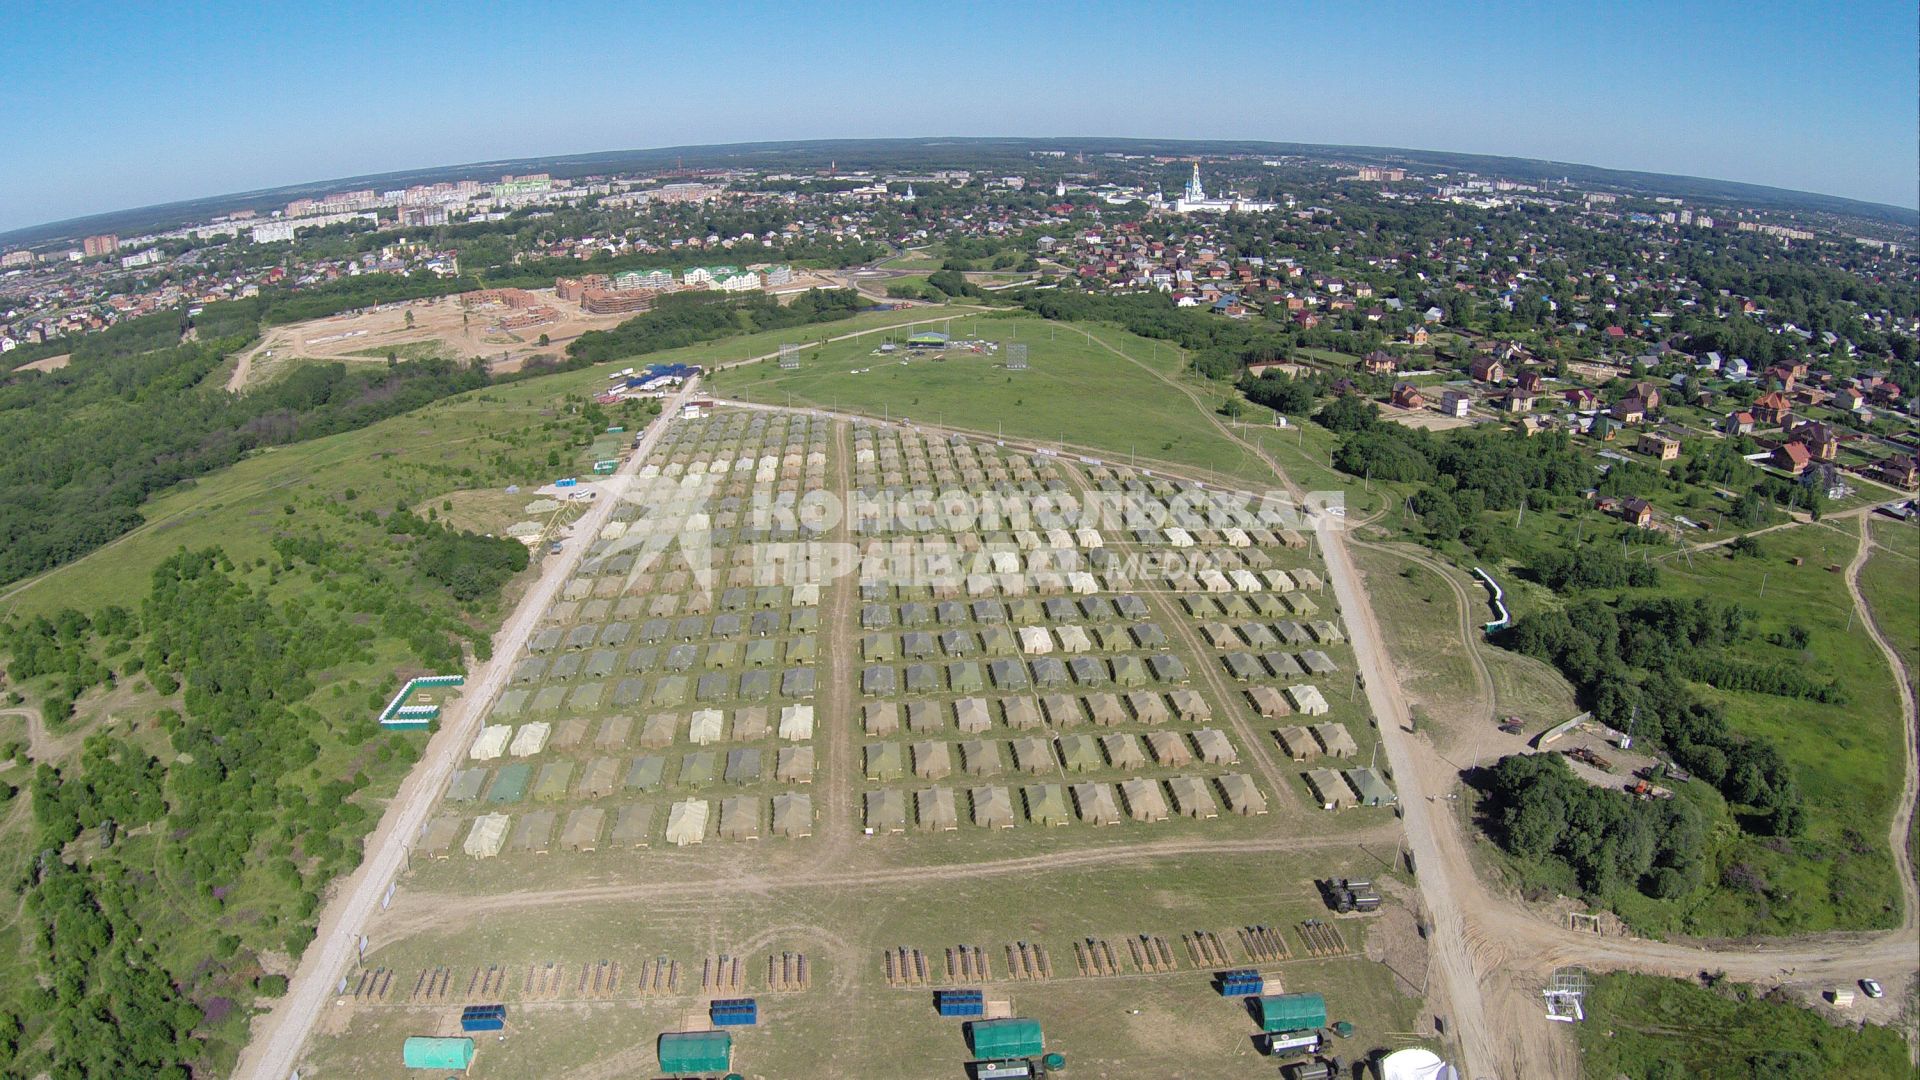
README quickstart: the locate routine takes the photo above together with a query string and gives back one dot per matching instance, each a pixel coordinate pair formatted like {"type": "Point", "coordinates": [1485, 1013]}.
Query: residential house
{"type": "Point", "coordinates": [1900, 470]}
{"type": "Point", "coordinates": [1654, 444]}
{"type": "Point", "coordinates": [1772, 409]}
{"type": "Point", "coordinates": [1580, 397]}
{"type": "Point", "coordinates": [1487, 369]}
{"type": "Point", "coordinates": [1531, 381]}
{"type": "Point", "coordinates": [1379, 363]}
{"type": "Point", "coordinates": [1638, 512]}
{"type": "Point", "coordinates": [1417, 335]}
{"type": "Point", "coordinates": [1820, 439]}
{"type": "Point", "coordinates": [1782, 376]}
{"type": "Point", "coordinates": [1455, 403]}
{"type": "Point", "coordinates": [1408, 396]}
{"type": "Point", "coordinates": [1794, 457]}
{"type": "Point", "coordinates": [1630, 410]}
{"type": "Point", "coordinates": [1517, 400]}
{"type": "Point", "coordinates": [1737, 423]}
{"type": "Point", "coordinates": [1646, 391]}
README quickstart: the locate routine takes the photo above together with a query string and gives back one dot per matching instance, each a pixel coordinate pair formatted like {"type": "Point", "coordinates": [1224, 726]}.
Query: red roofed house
{"type": "Point", "coordinates": [1793, 457]}
{"type": "Point", "coordinates": [1581, 398]}
{"type": "Point", "coordinates": [1737, 423]}
{"type": "Point", "coordinates": [1408, 396]}
{"type": "Point", "coordinates": [1379, 363]}
{"type": "Point", "coordinates": [1630, 410]}
{"type": "Point", "coordinates": [1488, 369]}
{"type": "Point", "coordinates": [1772, 408]}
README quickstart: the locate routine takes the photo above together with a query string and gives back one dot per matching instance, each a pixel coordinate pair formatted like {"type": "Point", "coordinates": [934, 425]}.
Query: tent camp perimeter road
{"type": "Point", "coordinates": [276, 1045]}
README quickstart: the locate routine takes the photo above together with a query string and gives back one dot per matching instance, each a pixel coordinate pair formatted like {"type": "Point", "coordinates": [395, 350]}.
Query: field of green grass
{"type": "Point", "coordinates": [1665, 1029]}
{"type": "Point", "coordinates": [1077, 393]}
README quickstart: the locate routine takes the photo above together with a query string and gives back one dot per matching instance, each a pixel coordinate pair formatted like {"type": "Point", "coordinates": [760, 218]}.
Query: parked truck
{"type": "Point", "coordinates": [1352, 894]}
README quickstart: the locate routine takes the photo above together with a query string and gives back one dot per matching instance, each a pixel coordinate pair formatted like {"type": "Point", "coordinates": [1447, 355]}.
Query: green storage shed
{"type": "Point", "coordinates": [424, 1052]}
{"type": "Point", "coordinates": [1010, 1038]}
{"type": "Point", "coordinates": [695, 1051]}
{"type": "Point", "coordinates": [1292, 1012]}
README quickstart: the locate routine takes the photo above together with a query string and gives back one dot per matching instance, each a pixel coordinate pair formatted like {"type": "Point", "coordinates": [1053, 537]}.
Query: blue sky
{"type": "Point", "coordinates": [110, 106]}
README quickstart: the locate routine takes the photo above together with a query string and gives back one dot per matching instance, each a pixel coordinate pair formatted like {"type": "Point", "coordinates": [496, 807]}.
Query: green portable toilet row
{"type": "Point", "coordinates": [1005, 1038]}
{"type": "Point", "coordinates": [695, 1051]}
{"type": "Point", "coordinates": [424, 1052]}
{"type": "Point", "coordinates": [1292, 1012]}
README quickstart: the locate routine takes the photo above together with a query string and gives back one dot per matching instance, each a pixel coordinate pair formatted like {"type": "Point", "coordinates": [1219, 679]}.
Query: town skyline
{"type": "Point", "coordinates": [1776, 101]}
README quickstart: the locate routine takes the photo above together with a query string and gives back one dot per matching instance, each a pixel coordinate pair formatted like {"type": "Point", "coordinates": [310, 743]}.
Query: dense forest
{"type": "Point", "coordinates": [1609, 839]}
{"type": "Point", "coordinates": [681, 319]}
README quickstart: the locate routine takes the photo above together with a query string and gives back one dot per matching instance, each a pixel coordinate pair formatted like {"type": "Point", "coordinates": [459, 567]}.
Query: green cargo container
{"type": "Point", "coordinates": [695, 1051]}
{"type": "Point", "coordinates": [1005, 1038]}
{"type": "Point", "coordinates": [606, 466]}
{"type": "Point", "coordinates": [423, 1052]}
{"type": "Point", "coordinates": [1292, 1012]}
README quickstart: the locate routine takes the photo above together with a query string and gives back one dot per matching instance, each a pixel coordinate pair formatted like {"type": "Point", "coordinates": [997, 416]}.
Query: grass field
{"type": "Point", "coordinates": [1077, 393]}
{"type": "Point", "coordinates": [1652, 1028]}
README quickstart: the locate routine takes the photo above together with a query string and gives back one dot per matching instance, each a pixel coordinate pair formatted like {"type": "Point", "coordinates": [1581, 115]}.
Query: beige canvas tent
{"type": "Point", "coordinates": [706, 727]}
{"type": "Point", "coordinates": [992, 807]}
{"type": "Point", "coordinates": [1122, 751]}
{"type": "Point", "coordinates": [491, 743]}
{"type": "Point", "coordinates": [1033, 755]}
{"type": "Point", "coordinates": [1148, 707]}
{"type": "Point", "coordinates": [1241, 794]}
{"type": "Point", "coordinates": [750, 723]}
{"type": "Point", "coordinates": [1169, 748]}
{"type": "Point", "coordinates": [1096, 804]}
{"type": "Point", "coordinates": [886, 810]}
{"type": "Point", "coordinates": [740, 817]}
{"type": "Point", "coordinates": [1191, 795]}
{"type": "Point", "coordinates": [980, 757]}
{"type": "Point", "coordinates": [1298, 743]}
{"type": "Point", "coordinates": [1106, 709]}
{"type": "Point", "coordinates": [632, 825]}
{"type": "Point", "coordinates": [794, 765]}
{"type": "Point", "coordinates": [1214, 747]}
{"type": "Point", "coordinates": [971, 715]}
{"type": "Point", "coordinates": [1020, 712]}
{"type": "Point", "coordinates": [1144, 800]}
{"type": "Point", "coordinates": [932, 760]}
{"type": "Point", "coordinates": [582, 831]}
{"type": "Point", "coordinates": [882, 717]}
{"type": "Point", "coordinates": [600, 779]}
{"type": "Point", "coordinates": [1336, 739]}
{"type": "Point", "coordinates": [533, 833]}
{"type": "Point", "coordinates": [1267, 702]}
{"type": "Point", "coordinates": [793, 815]}
{"type": "Point", "coordinates": [687, 822]}
{"type": "Point", "coordinates": [935, 809]}
{"type": "Point", "coordinates": [658, 731]}
{"type": "Point", "coordinates": [1189, 706]}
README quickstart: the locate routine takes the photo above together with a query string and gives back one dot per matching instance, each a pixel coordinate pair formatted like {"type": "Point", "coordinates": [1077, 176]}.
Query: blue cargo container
{"type": "Point", "coordinates": [734, 1012]}
{"type": "Point", "coordinates": [1244, 982]}
{"type": "Point", "coordinates": [483, 1018]}
{"type": "Point", "coordinates": [960, 1003]}
{"type": "Point", "coordinates": [566, 481]}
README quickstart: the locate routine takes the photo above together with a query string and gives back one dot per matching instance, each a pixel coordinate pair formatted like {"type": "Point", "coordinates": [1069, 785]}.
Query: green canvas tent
{"type": "Point", "coordinates": [695, 1051]}
{"type": "Point", "coordinates": [1011, 1038]}
{"type": "Point", "coordinates": [1292, 1012]}
{"type": "Point", "coordinates": [424, 1052]}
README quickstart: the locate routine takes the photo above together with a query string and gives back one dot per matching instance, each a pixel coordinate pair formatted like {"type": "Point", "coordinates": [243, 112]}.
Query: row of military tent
{"type": "Point", "coordinates": [598, 778]}
{"type": "Point", "coordinates": [878, 614]}
{"type": "Point", "coordinates": [937, 809]}
{"type": "Point", "coordinates": [661, 691]}
{"type": "Point", "coordinates": [792, 723]}
{"type": "Point", "coordinates": [1007, 673]}
{"type": "Point", "coordinates": [932, 759]}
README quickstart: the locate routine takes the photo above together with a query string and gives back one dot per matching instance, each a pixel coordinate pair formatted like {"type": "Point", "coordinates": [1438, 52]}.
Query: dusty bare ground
{"type": "Point", "coordinates": [1423, 419]}
{"type": "Point", "coordinates": [47, 363]}
{"type": "Point", "coordinates": [457, 326]}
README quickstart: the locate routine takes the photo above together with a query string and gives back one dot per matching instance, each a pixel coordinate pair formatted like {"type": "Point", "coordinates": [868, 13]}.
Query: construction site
{"type": "Point", "coordinates": [839, 718]}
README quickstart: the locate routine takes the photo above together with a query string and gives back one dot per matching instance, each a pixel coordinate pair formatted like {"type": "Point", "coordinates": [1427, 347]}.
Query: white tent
{"type": "Point", "coordinates": [1035, 641]}
{"type": "Point", "coordinates": [530, 739]}
{"type": "Point", "coordinates": [796, 723]}
{"type": "Point", "coordinates": [488, 834]}
{"type": "Point", "coordinates": [706, 726]}
{"type": "Point", "coordinates": [491, 743]}
{"type": "Point", "coordinates": [1307, 700]}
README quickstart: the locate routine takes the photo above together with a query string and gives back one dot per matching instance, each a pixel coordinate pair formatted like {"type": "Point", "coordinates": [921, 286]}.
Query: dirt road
{"type": "Point", "coordinates": [280, 1035]}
